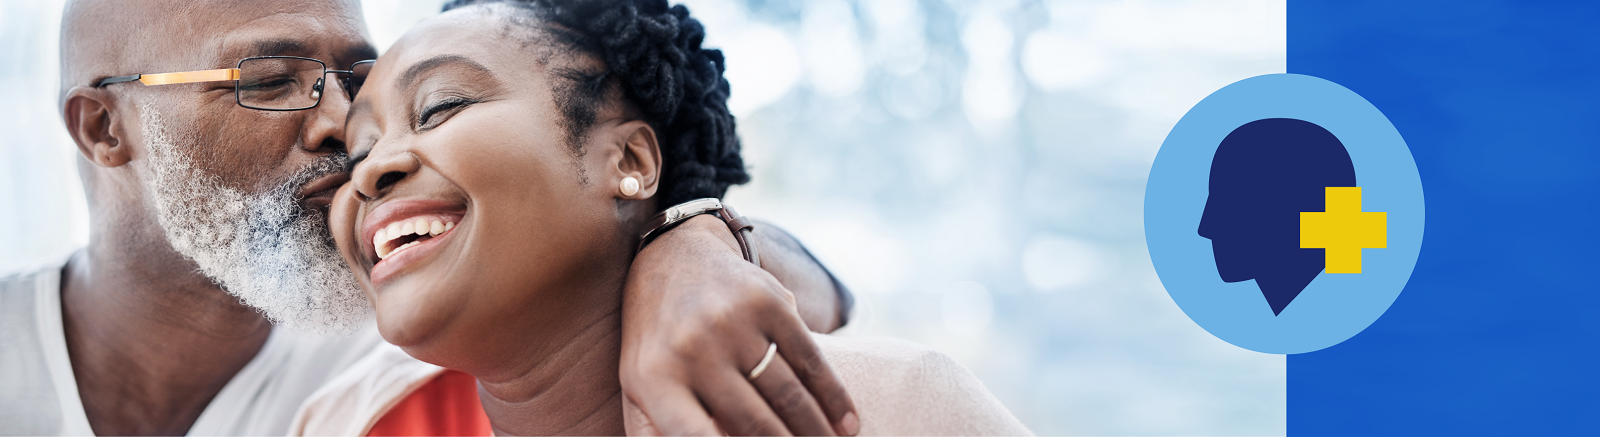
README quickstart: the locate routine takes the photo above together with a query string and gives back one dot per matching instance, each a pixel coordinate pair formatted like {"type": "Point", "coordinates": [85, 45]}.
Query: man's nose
{"type": "Point", "coordinates": [325, 125]}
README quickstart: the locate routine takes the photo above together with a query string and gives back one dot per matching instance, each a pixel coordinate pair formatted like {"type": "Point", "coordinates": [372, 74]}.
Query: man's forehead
{"type": "Point", "coordinates": [233, 30]}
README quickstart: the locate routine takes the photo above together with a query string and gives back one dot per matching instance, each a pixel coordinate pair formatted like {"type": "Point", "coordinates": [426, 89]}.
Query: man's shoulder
{"type": "Point", "coordinates": [25, 279]}
{"type": "Point", "coordinates": [900, 387]}
{"type": "Point", "coordinates": [33, 355]}
{"type": "Point", "coordinates": [21, 295]}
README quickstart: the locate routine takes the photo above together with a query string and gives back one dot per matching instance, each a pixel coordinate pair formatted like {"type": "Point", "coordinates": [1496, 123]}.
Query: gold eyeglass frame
{"type": "Point", "coordinates": [233, 74]}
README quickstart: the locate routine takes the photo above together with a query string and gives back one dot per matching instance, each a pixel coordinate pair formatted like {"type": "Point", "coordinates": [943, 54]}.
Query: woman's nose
{"type": "Point", "coordinates": [378, 174]}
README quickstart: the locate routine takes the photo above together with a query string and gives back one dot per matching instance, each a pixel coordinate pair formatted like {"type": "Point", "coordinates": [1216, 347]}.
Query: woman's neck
{"type": "Point", "coordinates": [564, 379]}
{"type": "Point", "coordinates": [573, 391]}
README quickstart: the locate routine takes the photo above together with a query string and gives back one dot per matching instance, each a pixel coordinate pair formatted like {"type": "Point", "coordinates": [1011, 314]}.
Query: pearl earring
{"type": "Point", "coordinates": [630, 186]}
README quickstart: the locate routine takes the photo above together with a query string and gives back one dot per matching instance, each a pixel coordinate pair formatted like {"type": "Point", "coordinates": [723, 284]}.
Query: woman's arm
{"type": "Point", "coordinates": [697, 318]}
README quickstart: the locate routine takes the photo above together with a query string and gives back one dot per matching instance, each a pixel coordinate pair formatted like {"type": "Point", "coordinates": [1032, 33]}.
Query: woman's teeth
{"type": "Point", "coordinates": [421, 228]}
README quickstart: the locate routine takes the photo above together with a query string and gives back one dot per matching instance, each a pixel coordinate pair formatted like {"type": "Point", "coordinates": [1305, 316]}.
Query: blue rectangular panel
{"type": "Point", "coordinates": [1496, 333]}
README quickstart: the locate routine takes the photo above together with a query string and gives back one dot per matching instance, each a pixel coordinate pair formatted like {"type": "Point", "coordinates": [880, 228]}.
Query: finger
{"type": "Point", "coordinates": [634, 422]}
{"type": "Point", "coordinates": [812, 370]}
{"type": "Point", "coordinates": [738, 408]}
{"type": "Point", "coordinates": [671, 409]}
{"type": "Point", "coordinates": [791, 401]}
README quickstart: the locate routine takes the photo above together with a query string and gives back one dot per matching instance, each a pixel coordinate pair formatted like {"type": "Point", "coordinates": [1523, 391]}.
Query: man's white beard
{"type": "Point", "coordinates": [265, 249]}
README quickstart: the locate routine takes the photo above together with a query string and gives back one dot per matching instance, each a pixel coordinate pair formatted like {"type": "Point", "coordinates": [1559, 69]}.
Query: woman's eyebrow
{"type": "Point", "coordinates": [420, 68]}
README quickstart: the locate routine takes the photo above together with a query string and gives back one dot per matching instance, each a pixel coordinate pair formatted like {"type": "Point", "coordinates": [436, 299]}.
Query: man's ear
{"type": "Point", "coordinates": [640, 158]}
{"type": "Point", "coordinates": [95, 126]}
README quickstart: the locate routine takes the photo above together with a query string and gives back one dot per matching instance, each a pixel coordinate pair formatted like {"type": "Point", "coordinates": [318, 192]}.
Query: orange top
{"type": "Point", "coordinates": [445, 406]}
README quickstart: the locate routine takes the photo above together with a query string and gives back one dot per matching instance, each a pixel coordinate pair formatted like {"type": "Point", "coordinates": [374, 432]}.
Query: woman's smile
{"type": "Point", "coordinates": [400, 234]}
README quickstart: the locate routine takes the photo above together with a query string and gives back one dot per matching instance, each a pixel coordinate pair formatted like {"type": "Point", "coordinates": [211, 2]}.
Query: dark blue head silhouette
{"type": "Point", "coordinates": [1264, 175]}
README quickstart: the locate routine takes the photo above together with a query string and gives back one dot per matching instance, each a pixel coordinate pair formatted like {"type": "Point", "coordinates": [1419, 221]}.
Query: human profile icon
{"type": "Point", "coordinates": [1264, 169]}
{"type": "Point", "coordinates": [1264, 174]}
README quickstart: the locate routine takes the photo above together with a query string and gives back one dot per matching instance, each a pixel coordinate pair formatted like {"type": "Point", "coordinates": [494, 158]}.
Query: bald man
{"type": "Point", "coordinates": [210, 299]}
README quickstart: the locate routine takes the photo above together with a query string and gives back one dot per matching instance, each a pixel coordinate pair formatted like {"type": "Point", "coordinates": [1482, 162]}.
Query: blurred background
{"type": "Point", "coordinates": [974, 171]}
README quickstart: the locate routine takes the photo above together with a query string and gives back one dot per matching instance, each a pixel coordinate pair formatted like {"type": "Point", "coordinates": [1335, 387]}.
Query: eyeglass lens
{"type": "Point", "coordinates": [275, 83]}
{"type": "Point", "coordinates": [357, 78]}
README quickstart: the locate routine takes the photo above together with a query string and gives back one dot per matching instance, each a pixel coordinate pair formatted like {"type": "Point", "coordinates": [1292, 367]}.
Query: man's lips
{"type": "Point", "coordinates": [319, 191]}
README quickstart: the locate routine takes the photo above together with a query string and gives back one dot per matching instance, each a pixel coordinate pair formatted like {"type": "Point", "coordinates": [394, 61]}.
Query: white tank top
{"type": "Point", "coordinates": [39, 395]}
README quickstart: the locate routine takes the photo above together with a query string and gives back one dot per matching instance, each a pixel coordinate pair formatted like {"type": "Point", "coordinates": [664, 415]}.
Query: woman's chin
{"type": "Point", "coordinates": [408, 322]}
{"type": "Point", "coordinates": [427, 344]}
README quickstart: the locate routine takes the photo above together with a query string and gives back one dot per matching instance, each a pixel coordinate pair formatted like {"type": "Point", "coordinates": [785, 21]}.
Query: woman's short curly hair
{"type": "Point", "coordinates": [652, 53]}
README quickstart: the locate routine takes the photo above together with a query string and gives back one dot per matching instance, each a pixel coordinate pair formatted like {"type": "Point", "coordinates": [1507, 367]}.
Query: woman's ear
{"type": "Point", "coordinates": [95, 126]}
{"type": "Point", "coordinates": [640, 159]}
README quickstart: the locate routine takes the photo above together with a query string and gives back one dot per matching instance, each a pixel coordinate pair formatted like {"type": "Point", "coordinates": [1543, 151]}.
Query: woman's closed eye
{"type": "Point", "coordinates": [440, 111]}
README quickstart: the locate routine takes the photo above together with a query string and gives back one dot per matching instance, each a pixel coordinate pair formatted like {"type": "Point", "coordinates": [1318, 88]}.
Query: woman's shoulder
{"type": "Point", "coordinates": [904, 388]}
{"type": "Point", "coordinates": [350, 403]}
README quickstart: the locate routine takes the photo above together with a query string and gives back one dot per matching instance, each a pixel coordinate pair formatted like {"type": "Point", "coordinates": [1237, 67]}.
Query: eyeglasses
{"type": "Point", "coordinates": [267, 83]}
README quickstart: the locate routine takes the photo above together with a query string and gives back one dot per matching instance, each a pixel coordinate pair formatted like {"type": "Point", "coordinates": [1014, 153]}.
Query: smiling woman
{"type": "Point", "coordinates": [485, 222]}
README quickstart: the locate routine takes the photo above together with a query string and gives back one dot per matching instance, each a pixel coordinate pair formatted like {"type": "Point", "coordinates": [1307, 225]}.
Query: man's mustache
{"type": "Point", "coordinates": [333, 163]}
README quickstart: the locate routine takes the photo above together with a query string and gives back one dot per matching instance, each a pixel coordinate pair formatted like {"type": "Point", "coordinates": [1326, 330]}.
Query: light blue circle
{"type": "Point", "coordinates": [1334, 307]}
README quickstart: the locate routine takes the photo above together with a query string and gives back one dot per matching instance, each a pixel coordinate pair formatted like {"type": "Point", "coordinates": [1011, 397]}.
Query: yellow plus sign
{"type": "Point", "coordinates": [1343, 230]}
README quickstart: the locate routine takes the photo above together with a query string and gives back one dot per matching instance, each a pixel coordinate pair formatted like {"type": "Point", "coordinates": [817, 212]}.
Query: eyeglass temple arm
{"type": "Point", "coordinates": [172, 78]}
{"type": "Point", "coordinates": [352, 69]}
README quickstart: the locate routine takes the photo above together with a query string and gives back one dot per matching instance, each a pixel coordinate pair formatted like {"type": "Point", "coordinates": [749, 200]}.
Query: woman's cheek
{"type": "Point", "coordinates": [343, 214]}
